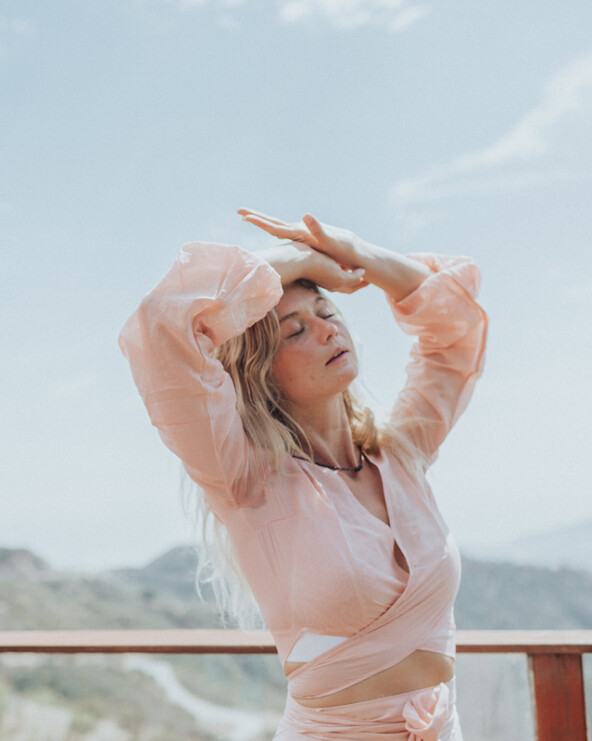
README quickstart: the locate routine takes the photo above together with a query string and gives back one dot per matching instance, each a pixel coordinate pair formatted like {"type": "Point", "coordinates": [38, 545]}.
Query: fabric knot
{"type": "Point", "coordinates": [426, 712]}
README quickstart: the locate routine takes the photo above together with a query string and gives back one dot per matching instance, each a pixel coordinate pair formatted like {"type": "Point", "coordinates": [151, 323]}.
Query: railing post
{"type": "Point", "coordinates": [557, 681]}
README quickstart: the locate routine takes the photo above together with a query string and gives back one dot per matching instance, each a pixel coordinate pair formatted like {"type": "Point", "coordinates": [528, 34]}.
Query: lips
{"type": "Point", "coordinates": [341, 351]}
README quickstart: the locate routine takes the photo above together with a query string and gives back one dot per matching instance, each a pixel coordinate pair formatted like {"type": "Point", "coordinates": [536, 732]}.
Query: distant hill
{"type": "Point", "coordinates": [33, 596]}
{"type": "Point", "coordinates": [173, 573]}
{"type": "Point", "coordinates": [505, 596]}
{"type": "Point", "coordinates": [566, 547]}
{"type": "Point", "coordinates": [17, 563]}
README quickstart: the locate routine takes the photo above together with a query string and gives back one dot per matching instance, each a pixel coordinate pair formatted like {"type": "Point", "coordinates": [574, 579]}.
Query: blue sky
{"type": "Point", "coordinates": [132, 127]}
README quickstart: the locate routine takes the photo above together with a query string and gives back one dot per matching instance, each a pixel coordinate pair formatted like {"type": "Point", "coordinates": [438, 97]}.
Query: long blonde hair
{"type": "Point", "coordinates": [274, 434]}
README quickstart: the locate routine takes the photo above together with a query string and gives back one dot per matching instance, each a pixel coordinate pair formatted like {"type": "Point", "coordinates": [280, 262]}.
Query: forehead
{"type": "Point", "coordinates": [298, 298]}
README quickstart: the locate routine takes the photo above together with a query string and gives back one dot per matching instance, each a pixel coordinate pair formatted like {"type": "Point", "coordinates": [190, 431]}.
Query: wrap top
{"type": "Point", "coordinates": [315, 558]}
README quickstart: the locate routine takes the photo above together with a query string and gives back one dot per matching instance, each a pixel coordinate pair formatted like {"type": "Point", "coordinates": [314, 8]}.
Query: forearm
{"type": "Point", "coordinates": [291, 262]}
{"type": "Point", "coordinates": [397, 275]}
{"type": "Point", "coordinates": [294, 260]}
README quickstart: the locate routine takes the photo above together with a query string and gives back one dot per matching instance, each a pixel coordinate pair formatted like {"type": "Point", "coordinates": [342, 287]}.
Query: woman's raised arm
{"type": "Point", "coordinates": [210, 294]}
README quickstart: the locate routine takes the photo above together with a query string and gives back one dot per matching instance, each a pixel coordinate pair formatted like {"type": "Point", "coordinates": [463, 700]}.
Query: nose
{"type": "Point", "coordinates": [327, 330]}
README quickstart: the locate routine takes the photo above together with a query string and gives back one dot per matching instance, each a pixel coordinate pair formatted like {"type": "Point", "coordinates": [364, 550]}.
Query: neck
{"type": "Point", "coordinates": [326, 427]}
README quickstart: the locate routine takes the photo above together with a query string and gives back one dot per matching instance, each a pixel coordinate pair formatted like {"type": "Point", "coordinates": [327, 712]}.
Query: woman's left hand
{"type": "Point", "coordinates": [339, 244]}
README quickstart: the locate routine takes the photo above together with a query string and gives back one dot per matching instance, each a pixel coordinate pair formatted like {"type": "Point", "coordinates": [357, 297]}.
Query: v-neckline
{"type": "Point", "coordinates": [391, 527]}
{"type": "Point", "coordinates": [365, 509]}
{"type": "Point", "coordinates": [372, 517]}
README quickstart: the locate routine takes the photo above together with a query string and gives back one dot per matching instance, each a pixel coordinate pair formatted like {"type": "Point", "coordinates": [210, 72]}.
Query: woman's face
{"type": "Point", "coordinates": [316, 358]}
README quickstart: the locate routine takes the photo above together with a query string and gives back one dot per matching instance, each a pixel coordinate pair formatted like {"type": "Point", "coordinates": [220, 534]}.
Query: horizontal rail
{"type": "Point", "coordinates": [200, 641]}
{"type": "Point", "coordinates": [530, 642]}
{"type": "Point", "coordinates": [183, 641]}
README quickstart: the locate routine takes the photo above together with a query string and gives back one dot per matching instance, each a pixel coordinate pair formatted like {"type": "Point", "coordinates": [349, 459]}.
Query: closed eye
{"type": "Point", "coordinates": [301, 330]}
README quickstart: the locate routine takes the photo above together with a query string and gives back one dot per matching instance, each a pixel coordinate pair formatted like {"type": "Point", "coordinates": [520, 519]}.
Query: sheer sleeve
{"type": "Point", "coordinates": [211, 293]}
{"type": "Point", "coordinates": [448, 356]}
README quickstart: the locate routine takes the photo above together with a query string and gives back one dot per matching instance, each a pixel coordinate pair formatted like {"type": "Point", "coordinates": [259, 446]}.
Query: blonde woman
{"type": "Point", "coordinates": [245, 368]}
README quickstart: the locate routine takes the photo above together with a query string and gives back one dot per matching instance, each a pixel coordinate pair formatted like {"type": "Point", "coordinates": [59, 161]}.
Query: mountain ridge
{"type": "Point", "coordinates": [569, 546]}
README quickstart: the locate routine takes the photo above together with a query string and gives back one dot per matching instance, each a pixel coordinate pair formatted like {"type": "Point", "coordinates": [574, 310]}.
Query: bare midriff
{"type": "Point", "coordinates": [417, 671]}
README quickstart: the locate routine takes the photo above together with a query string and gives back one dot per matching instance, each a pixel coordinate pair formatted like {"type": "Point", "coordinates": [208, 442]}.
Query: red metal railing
{"type": "Point", "coordinates": [555, 659]}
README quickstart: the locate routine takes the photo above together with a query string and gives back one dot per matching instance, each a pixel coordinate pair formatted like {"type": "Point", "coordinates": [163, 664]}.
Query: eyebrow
{"type": "Point", "coordinates": [295, 313]}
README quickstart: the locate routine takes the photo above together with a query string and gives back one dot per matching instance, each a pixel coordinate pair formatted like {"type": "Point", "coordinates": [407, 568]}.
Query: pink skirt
{"type": "Point", "coordinates": [422, 715]}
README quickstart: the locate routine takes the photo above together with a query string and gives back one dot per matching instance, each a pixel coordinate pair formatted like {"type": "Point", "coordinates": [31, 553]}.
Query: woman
{"type": "Point", "coordinates": [245, 369]}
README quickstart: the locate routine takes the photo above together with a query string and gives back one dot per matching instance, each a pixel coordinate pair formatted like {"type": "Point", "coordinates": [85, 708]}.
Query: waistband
{"type": "Point", "coordinates": [420, 715]}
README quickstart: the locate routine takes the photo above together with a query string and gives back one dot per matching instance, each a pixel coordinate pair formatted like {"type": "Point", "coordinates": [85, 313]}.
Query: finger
{"type": "Point", "coordinates": [312, 224]}
{"type": "Point", "coordinates": [271, 225]}
{"type": "Point", "coordinates": [250, 212]}
{"type": "Point", "coordinates": [354, 281]}
{"type": "Point", "coordinates": [256, 219]}
{"type": "Point", "coordinates": [293, 232]}
{"type": "Point", "coordinates": [276, 230]}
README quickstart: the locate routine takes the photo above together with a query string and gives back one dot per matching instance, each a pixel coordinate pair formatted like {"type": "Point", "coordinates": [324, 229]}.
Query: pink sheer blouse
{"type": "Point", "coordinates": [317, 561]}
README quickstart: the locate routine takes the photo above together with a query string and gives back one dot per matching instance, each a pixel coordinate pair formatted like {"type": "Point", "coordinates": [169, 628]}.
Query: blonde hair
{"type": "Point", "coordinates": [274, 434]}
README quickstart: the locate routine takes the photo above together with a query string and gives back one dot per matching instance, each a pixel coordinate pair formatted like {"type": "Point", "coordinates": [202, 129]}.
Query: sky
{"type": "Point", "coordinates": [131, 127]}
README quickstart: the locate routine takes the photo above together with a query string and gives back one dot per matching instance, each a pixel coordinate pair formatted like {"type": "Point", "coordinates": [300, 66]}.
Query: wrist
{"type": "Point", "coordinates": [291, 262]}
{"type": "Point", "coordinates": [395, 274]}
{"type": "Point", "coordinates": [310, 264]}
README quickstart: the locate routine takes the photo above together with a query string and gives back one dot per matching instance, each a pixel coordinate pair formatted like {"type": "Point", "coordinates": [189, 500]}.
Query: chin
{"type": "Point", "coordinates": [348, 379]}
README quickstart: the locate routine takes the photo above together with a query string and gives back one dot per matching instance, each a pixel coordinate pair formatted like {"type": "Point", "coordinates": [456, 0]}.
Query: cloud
{"type": "Point", "coordinates": [407, 17]}
{"type": "Point", "coordinates": [395, 15]}
{"type": "Point", "coordinates": [507, 163]}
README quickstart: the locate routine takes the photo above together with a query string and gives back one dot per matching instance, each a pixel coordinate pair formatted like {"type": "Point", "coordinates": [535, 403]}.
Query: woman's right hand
{"type": "Point", "coordinates": [294, 260]}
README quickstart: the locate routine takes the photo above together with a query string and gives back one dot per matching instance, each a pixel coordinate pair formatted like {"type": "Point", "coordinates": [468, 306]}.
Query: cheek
{"type": "Point", "coordinates": [289, 369]}
{"type": "Point", "coordinates": [283, 368]}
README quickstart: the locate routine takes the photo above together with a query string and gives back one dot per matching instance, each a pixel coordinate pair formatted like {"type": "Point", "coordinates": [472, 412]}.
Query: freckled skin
{"type": "Point", "coordinates": [309, 339]}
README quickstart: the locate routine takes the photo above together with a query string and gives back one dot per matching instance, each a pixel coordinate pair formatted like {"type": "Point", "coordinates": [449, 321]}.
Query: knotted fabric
{"type": "Point", "coordinates": [426, 713]}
